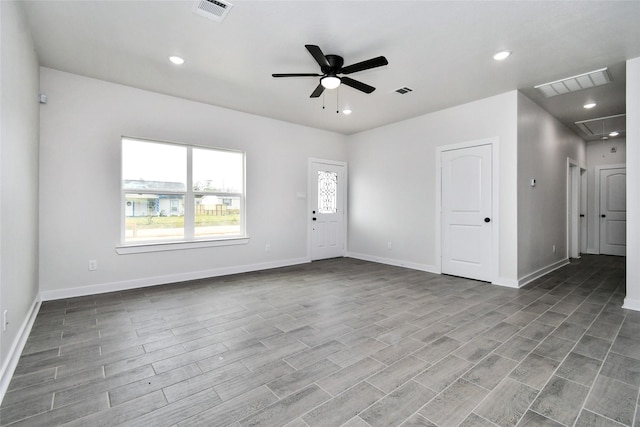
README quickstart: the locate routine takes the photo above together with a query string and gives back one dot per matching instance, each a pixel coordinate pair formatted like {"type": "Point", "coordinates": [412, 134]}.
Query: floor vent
{"type": "Point", "coordinates": [575, 83]}
{"type": "Point", "coordinates": [215, 10]}
{"type": "Point", "coordinates": [403, 90]}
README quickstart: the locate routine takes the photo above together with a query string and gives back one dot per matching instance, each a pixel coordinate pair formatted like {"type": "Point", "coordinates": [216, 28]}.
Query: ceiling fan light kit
{"type": "Point", "coordinates": [331, 66]}
{"type": "Point", "coordinates": [330, 82]}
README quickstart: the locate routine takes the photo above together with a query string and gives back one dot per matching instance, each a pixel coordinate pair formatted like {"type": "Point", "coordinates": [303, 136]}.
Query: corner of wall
{"type": "Point", "coordinates": [19, 114]}
{"type": "Point", "coordinates": [10, 363]}
{"type": "Point", "coordinates": [632, 300]}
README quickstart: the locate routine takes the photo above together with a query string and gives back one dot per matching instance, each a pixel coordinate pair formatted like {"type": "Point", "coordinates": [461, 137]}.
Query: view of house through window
{"type": "Point", "coordinates": [180, 192]}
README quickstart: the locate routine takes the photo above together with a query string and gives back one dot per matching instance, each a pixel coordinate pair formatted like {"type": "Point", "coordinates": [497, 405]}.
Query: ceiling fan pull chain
{"type": "Point", "coordinates": [337, 104]}
{"type": "Point", "coordinates": [323, 100]}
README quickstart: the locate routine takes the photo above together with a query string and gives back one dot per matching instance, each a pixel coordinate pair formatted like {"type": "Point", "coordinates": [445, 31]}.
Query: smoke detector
{"type": "Point", "coordinates": [216, 10]}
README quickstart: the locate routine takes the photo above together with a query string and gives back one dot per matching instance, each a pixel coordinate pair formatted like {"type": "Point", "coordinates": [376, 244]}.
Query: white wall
{"type": "Point", "coordinates": [80, 202]}
{"type": "Point", "coordinates": [599, 154]}
{"type": "Point", "coordinates": [392, 183]}
{"type": "Point", "coordinates": [632, 299]}
{"type": "Point", "coordinates": [19, 182]}
{"type": "Point", "coordinates": [544, 144]}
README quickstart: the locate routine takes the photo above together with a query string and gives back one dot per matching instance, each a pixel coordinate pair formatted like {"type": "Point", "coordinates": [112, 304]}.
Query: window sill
{"type": "Point", "coordinates": [176, 246]}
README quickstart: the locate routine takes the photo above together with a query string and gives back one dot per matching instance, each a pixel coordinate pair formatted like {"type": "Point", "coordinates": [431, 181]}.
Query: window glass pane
{"type": "Point", "coordinates": [217, 171]}
{"type": "Point", "coordinates": [217, 216]}
{"type": "Point", "coordinates": [153, 166]}
{"type": "Point", "coordinates": [153, 217]}
{"type": "Point", "coordinates": [327, 192]}
{"type": "Point", "coordinates": [154, 180]}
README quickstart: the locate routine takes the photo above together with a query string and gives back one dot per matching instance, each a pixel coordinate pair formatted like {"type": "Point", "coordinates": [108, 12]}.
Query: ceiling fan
{"type": "Point", "coordinates": [331, 66]}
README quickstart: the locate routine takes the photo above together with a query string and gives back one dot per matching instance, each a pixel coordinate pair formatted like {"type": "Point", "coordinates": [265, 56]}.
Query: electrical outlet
{"type": "Point", "coordinates": [554, 248]}
{"type": "Point", "coordinates": [389, 245]}
{"type": "Point", "coordinates": [93, 265]}
{"type": "Point", "coordinates": [267, 247]}
{"type": "Point", "coordinates": [5, 320]}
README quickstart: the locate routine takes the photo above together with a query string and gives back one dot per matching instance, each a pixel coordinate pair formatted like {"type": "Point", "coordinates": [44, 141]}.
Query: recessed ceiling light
{"type": "Point", "coordinates": [504, 54]}
{"type": "Point", "coordinates": [590, 105]}
{"type": "Point", "coordinates": [176, 60]}
{"type": "Point", "coordinates": [614, 133]}
{"type": "Point", "coordinates": [346, 112]}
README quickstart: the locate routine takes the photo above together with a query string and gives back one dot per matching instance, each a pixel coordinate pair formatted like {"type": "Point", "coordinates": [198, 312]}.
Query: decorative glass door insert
{"type": "Point", "coordinates": [327, 192]}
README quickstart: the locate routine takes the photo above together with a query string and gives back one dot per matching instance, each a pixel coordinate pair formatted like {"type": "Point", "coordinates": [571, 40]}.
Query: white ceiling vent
{"type": "Point", "coordinates": [575, 83]}
{"type": "Point", "coordinates": [403, 90]}
{"type": "Point", "coordinates": [602, 126]}
{"type": "Point", "coordinates": [215, 10]}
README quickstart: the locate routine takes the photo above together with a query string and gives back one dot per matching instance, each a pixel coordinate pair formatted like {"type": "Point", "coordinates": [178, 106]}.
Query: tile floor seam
{"type": "Point", "coordinates": [425, 404]}
{"type": "Point", "coordinates": [565, 357]}
{"type": "Point", "coordinates": [530, 353]}
{"type": "Point", "coordinates": [634, 421]}
{"type": "Point", "coordinates": [586, 399]}
{"type": "Point", "coordinates": [544, 416]}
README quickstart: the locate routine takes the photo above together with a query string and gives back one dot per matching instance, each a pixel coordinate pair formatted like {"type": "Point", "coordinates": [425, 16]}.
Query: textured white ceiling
{"type": "Point", "coordinates": [442, 50]}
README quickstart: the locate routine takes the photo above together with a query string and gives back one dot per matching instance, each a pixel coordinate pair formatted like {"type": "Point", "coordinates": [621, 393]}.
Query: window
{"type": "Point", "coordinates": [180, 193]}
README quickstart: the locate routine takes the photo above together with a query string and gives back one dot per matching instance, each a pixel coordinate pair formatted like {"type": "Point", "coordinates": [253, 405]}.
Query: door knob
{"type": "Point", "coordinates": [313, 219]}
{"type": "Point", "coordinates": [487, 219]}
{"type": "Point", "coordinates": [603, 216]}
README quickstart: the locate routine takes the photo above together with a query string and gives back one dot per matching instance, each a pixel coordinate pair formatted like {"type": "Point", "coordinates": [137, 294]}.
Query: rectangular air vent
{"type": "Point", "coordinates": [602, 126]}
{"type": "Point", "coordinates": [403, 90]}
{"type": "Point", "coordinates": [575, 83]}
{"type": "Point", "coordinates": [215, 10]}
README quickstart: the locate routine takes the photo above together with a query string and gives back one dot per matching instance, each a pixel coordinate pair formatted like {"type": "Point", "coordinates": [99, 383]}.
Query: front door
{"type": "Point", "coordinates": [613, 211]}
{"type": "Point", "coordinates": [327, 209]}
{"type": "Point", "coordinates": [467, 212]}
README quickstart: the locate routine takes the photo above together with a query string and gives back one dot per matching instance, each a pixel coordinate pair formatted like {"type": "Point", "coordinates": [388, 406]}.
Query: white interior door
{"type": "Point", "coordinates": [327, 182]}
{"type": "Point", "coordinates": [466, 212]}
{"type": "Point", "coordinates": [613, 211]}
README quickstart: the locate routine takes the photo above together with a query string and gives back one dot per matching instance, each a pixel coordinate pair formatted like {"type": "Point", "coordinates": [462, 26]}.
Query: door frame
{"type": "Point", "coordinates": [574, 204]}
{"type": "Point", "coordinates": [596, 197]}
{"type": "Point", "coordinates": [495, 202]}
{"type": "Point", "coordinates": [345, 217]}
{"type": "Point", "coordinates": [584, 209]}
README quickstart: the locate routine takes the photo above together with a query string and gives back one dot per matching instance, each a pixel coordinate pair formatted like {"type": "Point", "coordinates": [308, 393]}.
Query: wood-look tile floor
{"type": "Point", "coordinates": [337, 342]}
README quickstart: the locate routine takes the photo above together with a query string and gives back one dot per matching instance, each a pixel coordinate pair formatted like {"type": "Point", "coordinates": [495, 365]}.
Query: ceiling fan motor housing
{"type": "Point", "coordinates": [335, 65]}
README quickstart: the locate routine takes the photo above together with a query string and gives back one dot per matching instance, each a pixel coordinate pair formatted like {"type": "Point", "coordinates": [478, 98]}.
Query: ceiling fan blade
{"type": "Point", "coordinates": [317, 54]}
{"type": "Point", "coordinates": [316, 93]}
{"type": "Point", "coordinates": [365, 65]}
{"type": "Point", "coordinates": [357, 85]}
{"type": "Point", "coordinates": [298, 75]}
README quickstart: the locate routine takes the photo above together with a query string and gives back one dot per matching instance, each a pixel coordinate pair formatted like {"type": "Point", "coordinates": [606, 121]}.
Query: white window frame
{"type": "Point", "coordinates": [189, 241]}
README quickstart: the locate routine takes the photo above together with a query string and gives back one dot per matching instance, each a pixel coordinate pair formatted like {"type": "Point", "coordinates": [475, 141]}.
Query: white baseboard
{"type": "Point", "coordinates": [523, 281]}
{"type": "Point", "coordinates": [631, 304]}
{"type": "Point", "coordinates": [10, 363]}
{"type": "Point", "coordinates": [506, 282]}
{"type": "Point", "coordinates": [395, 262]}
{"type": "Point", "coordinates": [163, 280]}
{"type": "Point", "coordinates": [500, 281]}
